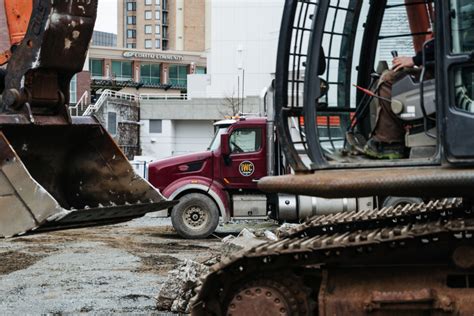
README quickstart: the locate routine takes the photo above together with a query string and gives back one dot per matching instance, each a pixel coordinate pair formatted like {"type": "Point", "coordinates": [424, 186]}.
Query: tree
{"type": "Point", "coordinates": [230, 105]}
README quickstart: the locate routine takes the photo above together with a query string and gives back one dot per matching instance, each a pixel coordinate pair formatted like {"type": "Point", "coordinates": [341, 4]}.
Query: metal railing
{"type": "Point", "coordinates": [80, 105]}
{"type": "Point", "coordinates": [150, 96]}
{"type": "Point", "coordinates": [106, 94]}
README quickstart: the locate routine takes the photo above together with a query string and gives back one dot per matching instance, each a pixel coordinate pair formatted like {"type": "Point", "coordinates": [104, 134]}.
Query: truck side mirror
{"type": "Point", "coordinates": [225, 149]}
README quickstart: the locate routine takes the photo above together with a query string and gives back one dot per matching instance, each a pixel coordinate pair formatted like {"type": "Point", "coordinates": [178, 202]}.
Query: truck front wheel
{"type": "Point", "coordinates": [195, 216]}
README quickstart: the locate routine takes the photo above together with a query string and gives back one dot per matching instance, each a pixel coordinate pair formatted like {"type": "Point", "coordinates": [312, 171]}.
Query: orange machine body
{"type": "Point", "coordinates": [18, 13]}
{"type": "Point", "coordinates": [420, 18]}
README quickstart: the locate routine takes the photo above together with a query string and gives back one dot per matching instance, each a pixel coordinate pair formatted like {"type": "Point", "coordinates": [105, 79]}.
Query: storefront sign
{"type": "Point", "coordinates": [152, 56]}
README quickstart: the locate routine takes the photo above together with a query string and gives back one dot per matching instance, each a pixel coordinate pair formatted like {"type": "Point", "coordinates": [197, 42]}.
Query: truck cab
{"type": "Point", "coordinates": [219, 182]}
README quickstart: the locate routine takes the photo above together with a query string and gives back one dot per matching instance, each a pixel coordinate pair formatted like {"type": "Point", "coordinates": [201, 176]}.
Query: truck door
{"type": "Point", "coordinates": [457, 75]}
{"type": "Point", "coordinates": [247, 160]}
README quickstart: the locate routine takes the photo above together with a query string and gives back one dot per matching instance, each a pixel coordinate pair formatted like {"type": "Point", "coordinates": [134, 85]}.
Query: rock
{"type": "Point", "coordinates": [246, 233]}
{"type": "Point", "coordinates": [211, 261]}
{"type": "Point", "coordinates": [284, 229]}
{"type": "Point", "coordinates": [244, 241]}
{"type": "Point", "coordinates": [228, 239]}
{"type": "Point", "coordinates": [177, 290]}
{"type": "Point", "coordinates": [270, 236]}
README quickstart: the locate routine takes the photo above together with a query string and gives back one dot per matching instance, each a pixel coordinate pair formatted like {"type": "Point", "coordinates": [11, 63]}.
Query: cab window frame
{"type": "Point", "coordinates": [258, 144]}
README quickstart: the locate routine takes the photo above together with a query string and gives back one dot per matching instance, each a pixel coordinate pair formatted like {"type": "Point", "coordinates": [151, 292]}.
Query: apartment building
{"type": "Point", "coordinates": [177, 25]}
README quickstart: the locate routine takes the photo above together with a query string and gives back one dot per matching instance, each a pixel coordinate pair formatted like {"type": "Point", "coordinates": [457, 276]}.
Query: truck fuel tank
{"type": "Point", "coordinates": [299, 207]}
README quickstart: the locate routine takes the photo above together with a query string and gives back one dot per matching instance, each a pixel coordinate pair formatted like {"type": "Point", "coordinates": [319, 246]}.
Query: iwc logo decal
{"type": "Point", "coordinates": [246, 168]}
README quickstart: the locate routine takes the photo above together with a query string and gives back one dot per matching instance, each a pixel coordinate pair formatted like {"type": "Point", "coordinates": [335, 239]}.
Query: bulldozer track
{"type": "Point", "coordinates": [387, 216]}
{"type": "Point", "coordinates": [334, 238]}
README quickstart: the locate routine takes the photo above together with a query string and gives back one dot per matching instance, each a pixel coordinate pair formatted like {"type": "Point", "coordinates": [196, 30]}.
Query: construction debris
{"type": "Point", "coordinates": [245, 240]}
{"type": "Point", "coordinates": [177, 290]}
{"type": "Point", "coordinates": [270, 235]}
{"type": "Point", "coordinates": [284, 229]}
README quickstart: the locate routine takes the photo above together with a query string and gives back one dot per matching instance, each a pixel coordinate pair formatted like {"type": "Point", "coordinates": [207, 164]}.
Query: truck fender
{"type": "Point", "coordinates": [217, 194]}
{"type": "Point", "coordinates": [184, 184]}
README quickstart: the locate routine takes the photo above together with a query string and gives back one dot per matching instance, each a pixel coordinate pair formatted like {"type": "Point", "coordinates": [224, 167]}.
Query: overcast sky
{"type": "Point", "coordinates": [107, 16]}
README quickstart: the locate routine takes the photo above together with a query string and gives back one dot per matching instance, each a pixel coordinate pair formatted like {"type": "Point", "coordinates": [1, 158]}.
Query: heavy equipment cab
{"type": "Point", "coordinates": [415, 259]}
{"type": "Point", "coordinates": [354, 39]}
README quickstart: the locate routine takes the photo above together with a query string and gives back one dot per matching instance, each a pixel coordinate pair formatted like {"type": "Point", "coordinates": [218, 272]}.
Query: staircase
{"type": "Point", "coordinates": [106, 94]}
{"type": "Point", "coordinates": [82, 104]}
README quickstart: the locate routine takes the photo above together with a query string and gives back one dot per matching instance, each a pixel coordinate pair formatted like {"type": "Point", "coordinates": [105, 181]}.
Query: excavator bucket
{"type": "Point", "coordinates": [58, 171]}
{"type": "Point", "coordinates": [67, 176]}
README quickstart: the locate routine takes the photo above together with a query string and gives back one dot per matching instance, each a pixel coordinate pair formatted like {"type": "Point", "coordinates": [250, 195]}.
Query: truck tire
{"type": "Point", "coordinates": [195, 216]}
{"type": "Point", "coordinates": [396, 200]}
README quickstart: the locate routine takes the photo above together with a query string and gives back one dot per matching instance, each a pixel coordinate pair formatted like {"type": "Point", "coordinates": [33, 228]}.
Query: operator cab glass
{"type": "Point", "coordinates": [359, 60]}
{"type": "Point", "coordinates": [462, 41]}
{"type": "Point", "coordinates": [334, 56]}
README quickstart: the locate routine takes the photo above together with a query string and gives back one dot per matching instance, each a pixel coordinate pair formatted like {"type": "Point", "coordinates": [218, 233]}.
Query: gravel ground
{"type": "Point", "coordinates": [102, 270]}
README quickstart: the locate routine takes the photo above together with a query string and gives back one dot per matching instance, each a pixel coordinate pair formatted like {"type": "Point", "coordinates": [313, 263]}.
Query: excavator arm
{"type": "Point", "coordinates": [17, 13]}
{"type": "Point", "coordinates": [58, 171]}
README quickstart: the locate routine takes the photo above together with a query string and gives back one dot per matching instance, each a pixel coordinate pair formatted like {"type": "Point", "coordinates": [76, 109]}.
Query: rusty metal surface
{"type": "Point", "coordinates": [53, 50]}
{"type": "Point", "coordinates": [23, 202]}
{"type": "Point", "coordinates": [413, 182]}
{"type": "Point", "coordinates": [68, 175]}
{"type": "Point", "coordinates": [410, 244]}
{"type": "Point", "coordinates": [57, 171]}
{"type": "Point", "coordinates": [393, 291]}
{"type": "Point", "coordinates": [388, 216]}
{"type": "Point", "coordinates": [271, 295]}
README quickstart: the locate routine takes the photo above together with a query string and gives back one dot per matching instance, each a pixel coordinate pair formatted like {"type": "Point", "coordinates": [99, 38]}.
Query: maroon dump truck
{"type": "Point", "coordinates": [221, 183]}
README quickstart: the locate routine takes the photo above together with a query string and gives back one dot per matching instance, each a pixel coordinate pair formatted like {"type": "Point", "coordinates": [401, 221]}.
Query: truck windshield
{"type": "Point", "coordinates": [216, 141]}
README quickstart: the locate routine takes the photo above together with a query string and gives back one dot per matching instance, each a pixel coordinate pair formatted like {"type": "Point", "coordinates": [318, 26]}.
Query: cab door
{"type": "Point", "coordinates": [246, 163]}
{"type": "Point", "coordinates": [455, 71]}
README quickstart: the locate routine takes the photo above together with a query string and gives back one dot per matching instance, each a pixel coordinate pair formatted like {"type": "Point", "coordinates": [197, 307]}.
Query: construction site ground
{"type": "Point", "coordinates": [106, 269]}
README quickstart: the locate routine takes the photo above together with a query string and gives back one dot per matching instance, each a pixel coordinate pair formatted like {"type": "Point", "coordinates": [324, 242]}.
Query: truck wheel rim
{"type": "Point", "coordinates": [195, 217]}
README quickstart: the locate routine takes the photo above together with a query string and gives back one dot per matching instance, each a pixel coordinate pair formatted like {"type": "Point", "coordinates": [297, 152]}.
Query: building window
{"type": "Point", "coordinates": [157, 14]}
{"type": "Point", "coordinates": [201, 70]}
{"type": "Point", "coordinates": [96, 68]}
{"type": "Point", "coordinates": [150, 74]}
{"type": "Point", "coordinates": [148, 44]}
{"type": "Point", "coordinates": [131, 20]}
{"type": "Point", "coordinates": [131, 6]}
{"type": "Point", "coordinates": [156, 126]}
{"type": "Point", "coordinates": [112, 123]}
{"type": "Point", "coordinates": [122, 70]}
{"type": "Point", "coordinates": [73, 90]}
{"type": "Point", "coordinates": [148, 29]}
{"type": "Point", "coordinates": [131, 33]}
{"type": "Point", "coordinates": [148, 15]}
{"type": "Point", "coordinates": [157, 29]}
{"type": "Point", "coordinates": [158, 43]}
{"type": "Point", "coordinates": [104, 39]}
{"type": "Point", "coordinates": [157, 2]}
{"type": "Point", "coordinates": [148, 2]}
{"type": "Point", "coordinates": [165, 18]}
{"type": "Point", "coordinates": [131, 45]}
{"type": "Point", "coordinates": [178, 75]}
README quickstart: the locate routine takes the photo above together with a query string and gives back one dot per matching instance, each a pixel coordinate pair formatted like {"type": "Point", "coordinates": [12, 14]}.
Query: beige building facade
{"type": "Point", "coordinates": [177, 25]}
{"type": "Point", "coordinates": [149, 71]}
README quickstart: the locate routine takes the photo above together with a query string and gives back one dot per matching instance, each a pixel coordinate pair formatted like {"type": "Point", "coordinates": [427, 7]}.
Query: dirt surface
{"type": "Point", "coordinates": [101, 270]}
